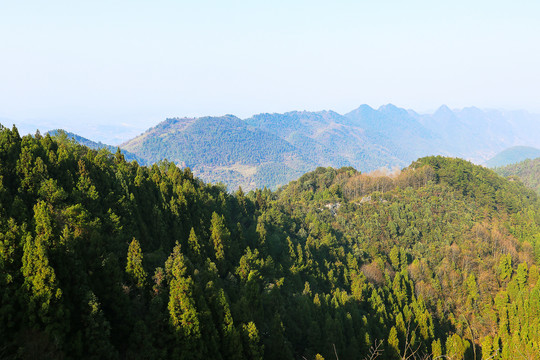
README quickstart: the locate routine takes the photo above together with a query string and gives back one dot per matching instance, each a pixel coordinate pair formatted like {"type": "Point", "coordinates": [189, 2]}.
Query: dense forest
{"type": "Point", "coordinates": [101, 258]}
{"type": "Point", "coordinates": [527, 171]}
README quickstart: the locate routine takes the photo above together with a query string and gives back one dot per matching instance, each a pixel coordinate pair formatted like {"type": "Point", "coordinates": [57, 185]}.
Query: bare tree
{"type": "Point", "coordinates": [335, 351]}
{"type": "Point", "coordinates": [375, 350]}
{"type": "Point", "coordinates": [408, 351]}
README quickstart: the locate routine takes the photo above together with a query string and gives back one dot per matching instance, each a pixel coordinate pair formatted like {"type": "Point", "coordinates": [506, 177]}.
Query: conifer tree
{"type": "Point", "coordinates": [393, 342]}
{"type": "Point", "coordinates": [194, 246]}
{"type": "Point", "coordinates": [456, 347]}
{"type": "Point", "coordinates": [252, 348]}
{"type": "Point", "coordinates": [97, 332]}
{"type": "Point", "coordinates": [40, 278]}
{"type": "Point", "coordinates": [134, 267]}
{"type": "Point", "coordinates": [184, 317]}
{"type": "Point", "coordinates": [219, 236]}
{"type": "Point", "coordinates": [436, 349]}
{"type": "Point", "coordinates": [231, 341]}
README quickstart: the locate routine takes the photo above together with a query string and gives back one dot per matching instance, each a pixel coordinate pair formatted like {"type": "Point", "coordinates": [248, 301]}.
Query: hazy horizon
{"type": "Point", "coordinates": [123, 66]}
{"type": "Point", "coordinates": [112, 134]}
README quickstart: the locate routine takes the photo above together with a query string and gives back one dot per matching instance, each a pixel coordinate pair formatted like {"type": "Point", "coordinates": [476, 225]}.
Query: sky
{"type": "Point", "coordinates": [108, 70]}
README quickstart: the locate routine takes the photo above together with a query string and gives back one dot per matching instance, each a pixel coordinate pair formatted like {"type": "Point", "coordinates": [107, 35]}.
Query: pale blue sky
{"type": "Point", "coordinates": [97, 67]}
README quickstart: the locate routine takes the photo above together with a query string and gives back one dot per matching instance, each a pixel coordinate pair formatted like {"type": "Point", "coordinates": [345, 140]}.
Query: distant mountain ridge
{"type": "Point", "coordinates": [272, 149]}
{"type": "Point", "coordinates": [513, 155]}
{"type": "Point", "coordinates": [223, 149]}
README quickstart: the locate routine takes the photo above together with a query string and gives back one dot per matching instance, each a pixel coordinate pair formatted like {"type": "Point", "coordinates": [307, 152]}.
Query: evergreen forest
{"type": "Point", "coordinates": [101, 258]}
{"type": "Point", "coordinates": [526, 171]}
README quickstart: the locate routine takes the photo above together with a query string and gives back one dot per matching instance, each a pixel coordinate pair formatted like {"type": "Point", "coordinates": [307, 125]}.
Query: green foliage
{"type": "Point", "coordinates": [219, 236]}
{"type": "Point", "coordinates": [184, 317]}
{"type": "Point", "coordinates": [393, 342]}
{"type": "Point", "coordinates": [194, 245]}
{"type": "Point", "coordinates": [97, 332]}
{"type": "Point", "coordinates": [527, 171]}
{"type": "Point", "coordinates": [40, 280]}
{"type": "Point", "coordinates": [456, 347]}
{"type": "Point", "coordinates": [64, 136]}
{"type": "Point", "coordinates": [253, 349]}
{"type": "Point", "coordinates": [134, 267]}
{"type": "Point", "coordinates": [429, 260]}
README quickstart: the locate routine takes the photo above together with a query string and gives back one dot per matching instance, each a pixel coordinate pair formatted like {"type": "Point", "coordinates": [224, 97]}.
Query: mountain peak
{"type": "Point", "coordinates": [365, 107]}
{"type": "Point", "coordinates": [388, 107]}
{"type": "Point", "coordinates": [443, 108]}
{"type": "Point", "coordinates": [392, 109]}
{"type": "Point", "coordinates": [361, 112]}
{"type": "Point", "coordinates": [445, 111]}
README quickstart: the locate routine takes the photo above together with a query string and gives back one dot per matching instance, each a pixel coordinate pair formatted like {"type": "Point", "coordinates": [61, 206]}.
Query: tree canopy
{"type": "Point", "coordinates": [103, 258]}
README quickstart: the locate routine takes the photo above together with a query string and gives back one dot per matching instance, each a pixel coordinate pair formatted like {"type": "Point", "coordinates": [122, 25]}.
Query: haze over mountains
{"type": "Point", "coordinates": [513, 155]}
{"type": "Point", "coordinates": [272, 149]}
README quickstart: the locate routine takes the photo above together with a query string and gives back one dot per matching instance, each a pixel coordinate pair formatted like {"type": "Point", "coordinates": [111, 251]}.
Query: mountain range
{"type": "Point", "coordinates": [272, 149]}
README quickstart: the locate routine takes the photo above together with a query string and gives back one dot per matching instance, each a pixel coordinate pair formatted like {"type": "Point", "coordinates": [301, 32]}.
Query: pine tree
{"type": "Point", "coordinates": [97, 332]}
{"type": "Point", "coordinates": [134, 267]}
{"type": "Point", "coordinates": [184, 317]}
{"type": "Point", "coordinates": [194, 246]}
{"type": "Point", "coordinates": [252, 348]}
{"type": "Point", "coordinates": [231, 341]}
{"type": "Point", "coordinates": [44, 293]}
{"type": "Point", "coordinates": [219, 236]}
{"type": "Point", "coordinates": [456, 347]}
{"type": "Point", "coordinates": [436, 349]}
{"type": "Point", "coordinates": [393, 342]}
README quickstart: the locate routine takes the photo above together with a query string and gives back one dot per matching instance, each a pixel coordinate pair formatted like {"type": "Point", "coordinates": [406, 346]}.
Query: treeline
{"type": "Point", "coordinates": [102, 258]}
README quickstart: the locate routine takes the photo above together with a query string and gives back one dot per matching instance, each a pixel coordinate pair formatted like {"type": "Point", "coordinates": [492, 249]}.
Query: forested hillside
{"type": "Point", "coordinates": [222, 149]}
{"type": "Point", "coordinates": [513, 155]}
{"type": "Point", "coordinates": [101, 258]}
{"type": "Point", "coordinates": [527, 171]}
{"type": "Point", "coordinates": [272, 149]}
{"type": "Point", "coordinates": [327, 138]}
